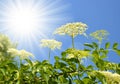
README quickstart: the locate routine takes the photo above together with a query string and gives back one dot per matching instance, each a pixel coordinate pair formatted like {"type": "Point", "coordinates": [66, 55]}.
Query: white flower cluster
{"type": "Point", "coordinates": [51, 43]}
{"type": "Point", "coordinates": [99, 35]}
{"type": "Point", "coordinates": [4, 42]}
{"type": "Point", "coordinates": [72, 29]}
{"type": "Point", "coordinates": [21, 53]}
{"type": "Point", "coordinates": [110, 77]}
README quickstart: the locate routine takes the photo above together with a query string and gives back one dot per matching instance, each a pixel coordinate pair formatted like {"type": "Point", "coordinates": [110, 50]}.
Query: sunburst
{"type": "Point", "coordinates": [26, 21]}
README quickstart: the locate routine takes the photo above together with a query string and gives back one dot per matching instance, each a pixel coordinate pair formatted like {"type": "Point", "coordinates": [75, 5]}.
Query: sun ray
{"type": "Point", "coordinates": [27, 21]}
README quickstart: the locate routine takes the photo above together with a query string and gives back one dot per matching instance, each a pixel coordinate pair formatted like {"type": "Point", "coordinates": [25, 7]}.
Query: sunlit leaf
{"type": "Point", "coordinates": [107, 45]}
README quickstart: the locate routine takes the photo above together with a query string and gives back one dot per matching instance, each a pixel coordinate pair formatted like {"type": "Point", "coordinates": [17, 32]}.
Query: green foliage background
{"type": "Point", "coordinates": [66, 69]}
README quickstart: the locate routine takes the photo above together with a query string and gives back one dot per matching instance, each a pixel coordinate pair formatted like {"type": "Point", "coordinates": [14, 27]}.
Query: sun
{"type": "Point", "coordinates": [23, 21]}
{"type": "Point", "coordinates": [28, 21]}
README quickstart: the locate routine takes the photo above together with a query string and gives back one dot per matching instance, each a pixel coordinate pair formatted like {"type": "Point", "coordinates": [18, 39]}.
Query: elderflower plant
{"type": "Point", "coordinates": [111, 78]}
{"type": "Point", "coordinates": [73, 53]}
{"type": "Point", "coordinates": [51, 43]}
{"type": "Point", "coordinates": [21, 53]}
{"type": "Point", "coordinates": [5, 42]}
{"type": "Point", "coordinates": [72, 29]}
{"type": "Point", "coordinates": [99, 35]}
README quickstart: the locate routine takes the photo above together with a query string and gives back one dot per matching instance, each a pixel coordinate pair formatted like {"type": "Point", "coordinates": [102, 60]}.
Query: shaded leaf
{"type": "Point", "coordinates": [88, 45]}
{"type": "Point", "coordinates": [115, 45]}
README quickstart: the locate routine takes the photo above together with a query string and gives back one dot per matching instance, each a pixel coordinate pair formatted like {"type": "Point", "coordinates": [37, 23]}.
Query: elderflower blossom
{"type": "Point", "coordinates": [110, 77]}
{"type": "Point", "coordinates": [4, 42]}
{"type": "Point", "coordinates": [21, 53]}
{"type": "Point", "coordinates": [72, 29]}
{"type": "Point", "coordinates": [72, 53]}
{"type": "Point", "coordinates": [24, 54]}
{"type": "Point", "coordinates": [51, 43]}
{"type": "Point", "coordinates": [99, 35]}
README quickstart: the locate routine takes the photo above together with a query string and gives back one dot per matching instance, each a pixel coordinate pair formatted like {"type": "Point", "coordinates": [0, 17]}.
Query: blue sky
{"type": "Point", "coordinates": [97, 14]}
{"type": "Point", "coordinates": [102, 14]}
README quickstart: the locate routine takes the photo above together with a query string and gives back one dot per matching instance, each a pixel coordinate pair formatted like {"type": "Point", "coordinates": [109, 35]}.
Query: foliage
{"type": "Point", "coordinates": [69, 68]}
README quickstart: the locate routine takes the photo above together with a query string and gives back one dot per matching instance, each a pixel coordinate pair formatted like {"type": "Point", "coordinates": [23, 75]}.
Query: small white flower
{"type": "Point", "coordinates": [50, 43]}
{"type": "Point", "coordinates": [99, 35]}
{"type": "Point", "coordinates": [110, 77]}
{"type": "Point", "coordinates": [13, 51]}
{"type": "Point", "coordinates": [24, 54]}
{"type": "Point", "coordinates": [72, 29]}
{"type": "Point", "coordinates": [21, 53]}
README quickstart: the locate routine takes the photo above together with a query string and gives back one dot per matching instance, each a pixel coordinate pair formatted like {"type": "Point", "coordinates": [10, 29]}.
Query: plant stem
{"type": "Point", "coordinates": [72, 42]}
{"type": "Point", "coordinates": [79, 64]}
{"type": "Point", "coordinates": [49, 54]}
{"type": "Point", "coordinates": [20, 70]}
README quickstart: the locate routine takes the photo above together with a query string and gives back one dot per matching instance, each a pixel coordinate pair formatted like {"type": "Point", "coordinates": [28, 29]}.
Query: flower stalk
{"type": "Point", "coordinates": [49, 54]}
{"type": "Point", "coordinates": [73, 46]}
{"type": "Point", "coordinates": [72, 30]}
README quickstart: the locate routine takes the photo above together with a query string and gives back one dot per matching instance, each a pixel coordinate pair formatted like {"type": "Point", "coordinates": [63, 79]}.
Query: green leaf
{"type": "Point", "coordinates": [63, 54]}
{"type": "Point", "coordinates": [88, 45]}
{"type": "Point", "coordinates": [77, 81]}
{"type": "Point", "coordinates": [57, 58]}
{"type": "Point", "coordinates": [117, 51]}
{"type": "Point", "coordinates": [63, 80]}
{"type": "Point", "coordinates": [87, 80]}
{"type": "Point", "coordinates": [70, 81]}
{"type": "Point", "coordinates": [52, 81]}
{"type": "Point", "coordinates": [90, 67]}
{"type": "Point", "coordinates": [115, 45]}
{"type": "Point", "coordinates": [87, 49]}
{"type": "Point", "coordinates": [103, 56]}
{"type": "Point", "coordinates": [45, 62]}
{"type": "Point", "coordinates": [95, 45]}
{"type": "Point", "coordinates": [107, 45]}
{"type": "Point", "coordinates": [95, 54]}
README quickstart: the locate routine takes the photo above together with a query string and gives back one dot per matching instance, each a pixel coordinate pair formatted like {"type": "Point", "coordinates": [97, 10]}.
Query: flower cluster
{"type": "Point", "coordinates": [99, 35]}
{"type": "Point", "coordinates": [72, 29]}
{"type": "Point", "coordinates": [21, 53]}
{"type": "Point", "coordinates": [51, 43]}
{"type": "Point", "coordinates": [73, 53]}
{"type": "Point", "coordinates": [110, 77]}
{"type": "Point", "coordinates": [4, 42]}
